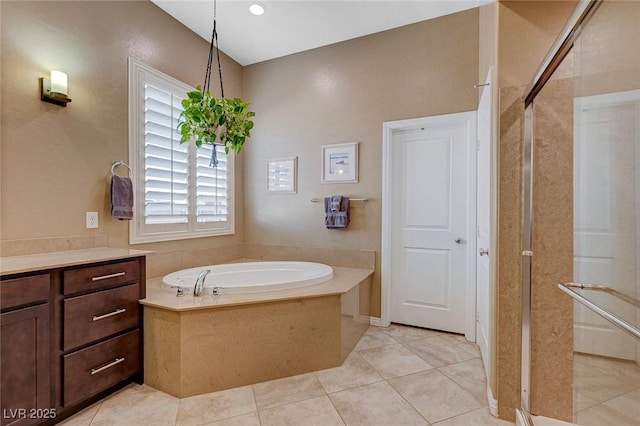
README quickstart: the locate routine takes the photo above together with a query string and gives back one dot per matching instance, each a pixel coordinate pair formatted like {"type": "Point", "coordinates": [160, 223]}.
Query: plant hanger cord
{"type": "Point", "coordinates": [220, 122]}
{"type": "Point", "coordinates": [213, 162]}
{"type": "Point", "coordinates": [212, 46]}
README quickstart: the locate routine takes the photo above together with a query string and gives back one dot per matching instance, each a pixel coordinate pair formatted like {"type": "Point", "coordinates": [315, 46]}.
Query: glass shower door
{"type": "Point", "coordinates": [607, 215]}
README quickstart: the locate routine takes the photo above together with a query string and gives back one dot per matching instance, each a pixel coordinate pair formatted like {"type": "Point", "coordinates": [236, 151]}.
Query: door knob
{"type": "Point", "coordinates": [459, 240]}
{"type": "Point", "coordinates": [484, 252]}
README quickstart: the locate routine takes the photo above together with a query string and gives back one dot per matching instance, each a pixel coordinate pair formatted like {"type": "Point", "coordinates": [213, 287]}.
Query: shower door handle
{"type": "Point", "coordinates": [484, 252]}
{"type": "Point", "coordinates": [459, 240]}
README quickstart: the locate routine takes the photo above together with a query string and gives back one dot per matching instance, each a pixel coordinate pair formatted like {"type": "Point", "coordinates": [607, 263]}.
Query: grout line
{"type": "Point", "coordinates": [255, 403]}
{"type": "Point", "coordinates": [336, 408]}
{"type": "Point", "coordinates": [407, 401]}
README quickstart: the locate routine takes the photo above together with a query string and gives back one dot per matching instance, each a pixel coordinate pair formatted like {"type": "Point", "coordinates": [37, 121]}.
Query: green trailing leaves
{"type": "Point", "coordinates": [210, 120]}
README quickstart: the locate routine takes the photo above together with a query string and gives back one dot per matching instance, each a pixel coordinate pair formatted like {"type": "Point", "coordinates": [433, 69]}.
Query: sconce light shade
{"type": "Point", "coordinates": [55, 89]}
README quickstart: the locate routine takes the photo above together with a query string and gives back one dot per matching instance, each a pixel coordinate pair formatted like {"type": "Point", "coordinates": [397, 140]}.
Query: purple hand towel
{"type": "Point", "coordinates": [121, 197]}
{"type": "Point", "coordinates": [336, 212]}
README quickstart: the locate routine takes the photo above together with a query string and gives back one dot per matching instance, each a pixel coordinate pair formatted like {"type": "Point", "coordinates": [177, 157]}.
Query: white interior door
{"type": "Point", "coordinates": [432, 176]}
{"type": "Point", "coordinates": [483, 223]}
{"type": "Point", "coordinates": [605, 197]}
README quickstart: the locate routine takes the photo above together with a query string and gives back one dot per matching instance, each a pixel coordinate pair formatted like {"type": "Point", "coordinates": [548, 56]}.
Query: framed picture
{"type": "Point", "coordinates": [340, 163]}
{"type": "Point", "coordinates": [282, 175]}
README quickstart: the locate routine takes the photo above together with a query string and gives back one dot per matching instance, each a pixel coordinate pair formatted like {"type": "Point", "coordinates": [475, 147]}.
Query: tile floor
{"type": "Point", "coordinates": [606, 391]}
{"type": "Point", "coordinates": [395, 376]}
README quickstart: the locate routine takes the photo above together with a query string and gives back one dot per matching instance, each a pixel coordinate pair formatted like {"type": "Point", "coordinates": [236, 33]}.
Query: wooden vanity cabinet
{"type": "Point", "coordinates": [69, 337]}
{"type": "Point", "coordinates": [25, 342]}
{"type": "Point", "coordinates": [101, 343]}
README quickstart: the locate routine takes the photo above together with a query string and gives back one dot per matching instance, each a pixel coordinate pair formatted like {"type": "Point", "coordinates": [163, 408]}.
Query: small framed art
{"type": "Point", "coordinates": [282, 175]}
{"type": "Point", "coordinates": [340, 163]}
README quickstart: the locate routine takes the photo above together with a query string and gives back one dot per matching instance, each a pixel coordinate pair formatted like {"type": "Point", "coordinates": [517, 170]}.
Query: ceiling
{"type": "Point", "coordinates": [290, 26]}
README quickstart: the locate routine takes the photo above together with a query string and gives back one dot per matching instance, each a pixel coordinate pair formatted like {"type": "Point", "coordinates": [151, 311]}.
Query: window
{"type": "Point", "coordinates": [177, 194]}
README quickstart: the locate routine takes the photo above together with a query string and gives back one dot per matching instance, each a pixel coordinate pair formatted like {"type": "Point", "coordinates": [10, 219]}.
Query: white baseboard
{"type": "Point", "coordinates": [493, 403]}
{"type": "Point", "coordinates": [377, 322]}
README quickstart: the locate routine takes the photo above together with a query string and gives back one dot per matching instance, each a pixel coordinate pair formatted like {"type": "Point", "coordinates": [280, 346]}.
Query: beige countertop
{"type": "Point", "coordinates": [60, 259]}
{"type": "Point", "coordinates": [344, 279]}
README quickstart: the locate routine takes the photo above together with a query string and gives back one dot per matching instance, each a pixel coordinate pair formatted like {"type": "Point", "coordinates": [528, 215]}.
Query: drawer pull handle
{"type": "Point", "coordinates": [106, 277]}
{"type": "Point", "coordinates": [110, 314]}
{"type": "Point", "coordinates": [104, 367]}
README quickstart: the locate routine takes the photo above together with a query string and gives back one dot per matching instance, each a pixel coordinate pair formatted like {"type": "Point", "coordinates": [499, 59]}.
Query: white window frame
{"type": "Point", "coordinates": [139, 231]}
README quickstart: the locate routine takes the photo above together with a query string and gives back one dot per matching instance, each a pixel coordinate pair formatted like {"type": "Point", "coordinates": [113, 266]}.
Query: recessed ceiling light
{"type": "Point", "coordinates": [257, 8]}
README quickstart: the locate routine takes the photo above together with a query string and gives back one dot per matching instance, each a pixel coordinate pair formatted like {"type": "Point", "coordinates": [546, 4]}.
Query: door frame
{"type": "Point", "coordinates": [613, 99]}
{"type": "Point", "coordinates": [388, 129]}
{"type": "Point", "coordinates": [489, 90]}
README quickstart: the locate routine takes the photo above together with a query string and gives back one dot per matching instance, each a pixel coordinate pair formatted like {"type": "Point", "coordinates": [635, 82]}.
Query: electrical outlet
{"type": "Point", "coordinates": [92, 220]}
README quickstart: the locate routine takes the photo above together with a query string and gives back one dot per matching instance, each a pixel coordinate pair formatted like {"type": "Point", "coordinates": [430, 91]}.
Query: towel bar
{"type": "Point", "coordinates": [319, 200]}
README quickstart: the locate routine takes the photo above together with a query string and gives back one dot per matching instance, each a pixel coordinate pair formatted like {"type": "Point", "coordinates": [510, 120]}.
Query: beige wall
{"type": "Point", "coordinates": [527, 30]}
{"type": "Point", "coordinates": [606, 52]}
{"type": "Point", "coordinates": [343, 93]}
{"type": "Point", "coordinates": [56, 161]}
{"type": "Point", "coordinates": [487, 39]}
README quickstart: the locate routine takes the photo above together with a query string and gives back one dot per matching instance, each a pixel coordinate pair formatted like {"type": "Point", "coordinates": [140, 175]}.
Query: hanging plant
{"type": "Point", "coordinates": [215, 121]}
{"type": "Point", "coordinates": [210, 120]}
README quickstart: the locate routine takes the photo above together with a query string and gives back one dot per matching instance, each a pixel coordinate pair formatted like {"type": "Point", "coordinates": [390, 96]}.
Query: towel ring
{"type": "Point", "coordinates": [120, 163]}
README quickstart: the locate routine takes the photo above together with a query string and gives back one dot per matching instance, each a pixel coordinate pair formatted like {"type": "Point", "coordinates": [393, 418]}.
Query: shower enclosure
{"type": "Point", "coordinates": [581, 224]}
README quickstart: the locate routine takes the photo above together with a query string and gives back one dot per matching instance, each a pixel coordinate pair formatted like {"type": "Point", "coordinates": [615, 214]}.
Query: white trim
{"type": "Point", "coordinates": [493, 237]}
{"type": "Point", "coordinates": [387, 138]}
{"type": "Point", "coordinates": [493, 403]}
{"type": "Point", "coordinates": [472, 249]}
{"type": "Point", "coordinates": [138, 72]}
{"type": "Point", "coordinates": [376, 322]}
{"type": "Point", "coordinates": [487, 348]}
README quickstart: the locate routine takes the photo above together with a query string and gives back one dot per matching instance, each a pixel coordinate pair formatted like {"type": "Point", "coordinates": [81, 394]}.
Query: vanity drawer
{"type": "Point", "coordinates": [24, 291]}
{"type": "Point", "coordinates": [96, 368]}
{"type": "Point", "coordinates": [99, 277]}
{"type": "Point", "coordinates": [93, 316]}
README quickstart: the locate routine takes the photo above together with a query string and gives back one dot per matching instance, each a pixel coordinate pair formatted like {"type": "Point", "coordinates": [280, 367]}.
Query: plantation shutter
{"type": "Point", "coordinates": [212, 190]}
{"type": "Point", "coordinates": [179, 195]}
{"type": "Point", "coordinates": [166, 160]}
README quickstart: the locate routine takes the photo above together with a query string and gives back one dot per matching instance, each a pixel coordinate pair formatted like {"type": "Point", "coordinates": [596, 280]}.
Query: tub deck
{"type": "Point", "coordinates": [344, 279]}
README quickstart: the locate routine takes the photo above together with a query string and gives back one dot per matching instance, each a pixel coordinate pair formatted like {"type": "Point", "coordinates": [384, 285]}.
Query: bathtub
{"type": "Point", "coordinates": [251, 335]}
{"type": "Point", "coordinates": [250, 277]}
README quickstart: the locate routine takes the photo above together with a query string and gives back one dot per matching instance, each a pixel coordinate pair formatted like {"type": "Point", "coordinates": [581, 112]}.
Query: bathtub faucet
{"type": "Point", "coordinates": [198, 289]}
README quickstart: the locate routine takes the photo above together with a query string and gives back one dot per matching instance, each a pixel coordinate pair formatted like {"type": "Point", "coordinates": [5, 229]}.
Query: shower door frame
{"type": "Point", "coordinates": [560, 49]}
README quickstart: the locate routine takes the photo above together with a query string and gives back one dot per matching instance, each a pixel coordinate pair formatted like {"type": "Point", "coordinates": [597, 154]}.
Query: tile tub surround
{"type": "Point", "coordinates": [195, 345]}
{"type": "Point", "coordinates": [62, 259]}
{"type": "Point", "coordinates": [53, 244]}
{"type": "Point", "coordinates": [349, 394]}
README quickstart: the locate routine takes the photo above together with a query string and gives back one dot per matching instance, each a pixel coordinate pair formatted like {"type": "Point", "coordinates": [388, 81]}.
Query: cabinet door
{"type": "Point", "coordinates": [26, 381]}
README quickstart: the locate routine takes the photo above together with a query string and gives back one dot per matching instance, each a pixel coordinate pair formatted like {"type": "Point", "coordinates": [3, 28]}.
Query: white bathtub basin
{"type": "Point", "coordinates": [249, 277]}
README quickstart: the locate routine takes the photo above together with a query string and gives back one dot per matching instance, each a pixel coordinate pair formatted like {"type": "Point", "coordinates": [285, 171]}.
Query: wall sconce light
{"type": "Point", "coordinates": [54, 89]}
